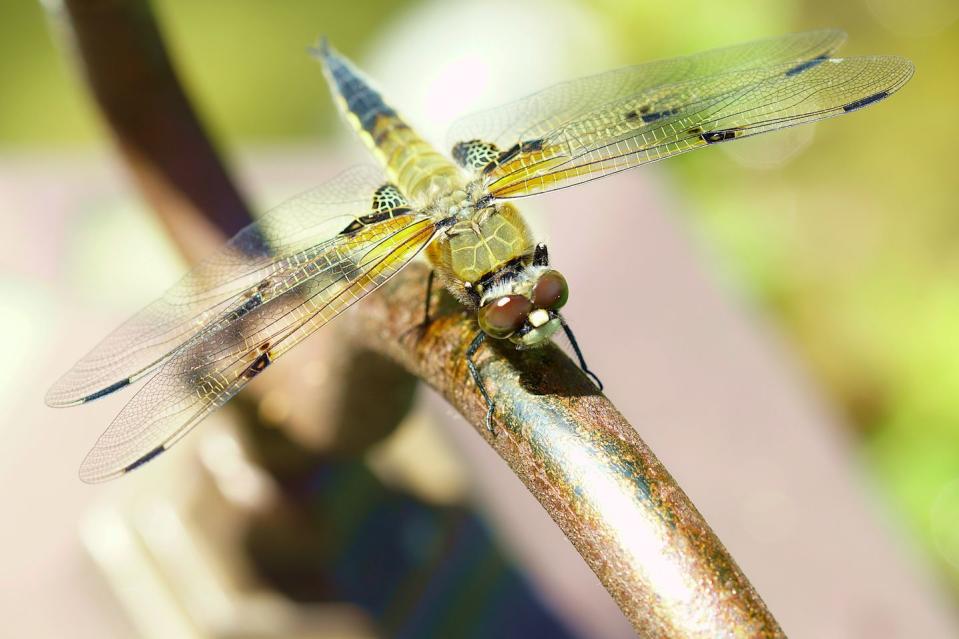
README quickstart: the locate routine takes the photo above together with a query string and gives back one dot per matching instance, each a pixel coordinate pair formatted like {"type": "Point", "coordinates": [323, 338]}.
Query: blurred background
{"type": "Point", "coordinates": [837, 243]}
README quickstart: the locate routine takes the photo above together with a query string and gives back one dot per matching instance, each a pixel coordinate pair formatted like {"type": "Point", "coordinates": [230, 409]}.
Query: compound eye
{"type": "Point", "coordinates": [504, 316]}
{"type": "Point", "coordinates": [551, 291]}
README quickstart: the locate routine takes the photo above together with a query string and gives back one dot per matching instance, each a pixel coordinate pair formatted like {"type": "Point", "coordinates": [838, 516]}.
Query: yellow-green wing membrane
{"type": "Point", "coordinates": [257, 262]}
{"type": "Point", "coordinates": [209, 369]}
{"type": "Point", "coordinates": [547, 111]}
{"type": "Point", "coordinates": [622, 119]}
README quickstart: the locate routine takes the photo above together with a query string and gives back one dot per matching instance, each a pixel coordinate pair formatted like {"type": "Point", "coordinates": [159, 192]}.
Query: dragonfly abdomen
{"type": "Point", "coordinates": [412, 163]}
{"type": "Point", "coordinates": [419, 171]}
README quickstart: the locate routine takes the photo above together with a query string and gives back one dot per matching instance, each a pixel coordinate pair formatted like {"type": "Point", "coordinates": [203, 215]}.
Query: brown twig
{"type": "Point", "coordinates": [587, 466]}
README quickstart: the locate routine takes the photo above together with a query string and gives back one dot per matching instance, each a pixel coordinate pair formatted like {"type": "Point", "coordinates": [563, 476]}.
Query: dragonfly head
{"type": "Point", "coordinates": [527, 318]}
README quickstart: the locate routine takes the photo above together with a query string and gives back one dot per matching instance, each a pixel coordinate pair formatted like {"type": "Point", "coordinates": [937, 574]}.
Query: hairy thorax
{"type": "Point", "coordinates": [480, 242]}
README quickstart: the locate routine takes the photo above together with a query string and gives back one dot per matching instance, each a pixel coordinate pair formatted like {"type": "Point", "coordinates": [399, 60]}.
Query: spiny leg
{"type": "Point", "coordinates": [579, 353]}
{"type": "Point", "coordinates": [474, 372]}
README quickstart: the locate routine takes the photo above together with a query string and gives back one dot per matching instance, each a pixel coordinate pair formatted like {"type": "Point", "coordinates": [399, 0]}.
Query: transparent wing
{"type": "Point", "coordinates": [670, 119]}
{"type": "Point", "coordinates": [535, 116]}
{"type": "Point", "coordinates": [205, 373]}
{"type": "Point", "coordinates": [288, 235]}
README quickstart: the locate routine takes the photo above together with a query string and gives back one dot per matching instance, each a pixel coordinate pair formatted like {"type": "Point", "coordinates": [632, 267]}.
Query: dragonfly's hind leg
{"type": "Point", "coordinates": [474, 372]}
{"type": "Point", "coordinates": [579, 353]}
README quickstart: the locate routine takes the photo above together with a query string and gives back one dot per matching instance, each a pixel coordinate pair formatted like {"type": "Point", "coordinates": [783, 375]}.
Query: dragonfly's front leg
{"type": "Point", "coordinates": [579, 353]}
{"type": "Point", "coordinates": [429, 291]}
{"type": "Point", "coordinates": [474, 372]}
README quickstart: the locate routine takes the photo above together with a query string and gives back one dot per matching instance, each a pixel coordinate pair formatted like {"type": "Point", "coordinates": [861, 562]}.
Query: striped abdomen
{"type": "Point", "coordinates": [411, 162]}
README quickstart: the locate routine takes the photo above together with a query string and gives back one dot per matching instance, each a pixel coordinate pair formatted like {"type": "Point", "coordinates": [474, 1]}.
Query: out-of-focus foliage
{"type": "Point", "coordinates": [243, 61]}
{"type": "Point", "coordinates": [849, 232]}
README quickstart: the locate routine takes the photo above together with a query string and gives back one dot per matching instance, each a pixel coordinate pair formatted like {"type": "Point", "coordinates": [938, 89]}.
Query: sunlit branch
{"type": "Point", "coordinates": [585, 464]}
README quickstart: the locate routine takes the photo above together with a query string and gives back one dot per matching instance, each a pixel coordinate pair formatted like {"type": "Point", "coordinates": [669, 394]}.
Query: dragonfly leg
{"type": "Point", "coordinates": [474, 372]}
{"type": "Point", "coordinates": [429, 291]}
{"type": "Point", "coordinates": [579, 353]}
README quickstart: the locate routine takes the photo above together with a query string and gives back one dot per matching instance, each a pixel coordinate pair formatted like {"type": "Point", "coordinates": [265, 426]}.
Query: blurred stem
{"type": "Point", "coordinates": [579, 457]}
{"type": "Point", "coordinates": [125, 63]}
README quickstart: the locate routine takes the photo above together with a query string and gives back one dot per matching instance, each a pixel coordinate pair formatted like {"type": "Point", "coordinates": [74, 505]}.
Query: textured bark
{"type": "Point", "coordinates": [583, 461]}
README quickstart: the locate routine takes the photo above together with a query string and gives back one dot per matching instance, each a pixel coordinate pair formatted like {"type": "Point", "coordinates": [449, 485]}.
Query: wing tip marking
{"type": "Point", "coordinates": [858, 104]}
{"type": "Point", "coordinates": [718, 135]}
{"type": "Point", "coordinates": [808, 64]}
{"type": "Point", "coordinates": [103, 392]}
{"type": "Point", "coordinates": [152, 454]}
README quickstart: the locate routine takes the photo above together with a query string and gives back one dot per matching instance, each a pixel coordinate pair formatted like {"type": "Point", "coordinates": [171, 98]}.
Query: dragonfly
{"type": "Point", "coordinates": [306, 261]}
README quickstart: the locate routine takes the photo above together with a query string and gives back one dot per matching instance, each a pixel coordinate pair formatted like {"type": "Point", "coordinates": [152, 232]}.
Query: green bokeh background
{"type": "Point", "coordinates": [865, 281]}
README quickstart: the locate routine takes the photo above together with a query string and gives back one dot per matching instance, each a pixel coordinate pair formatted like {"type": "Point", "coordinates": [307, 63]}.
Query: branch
{"type": "Point", "coordinates": [582, 460]}
{"type": "Point", "coordinates": [586, 465]}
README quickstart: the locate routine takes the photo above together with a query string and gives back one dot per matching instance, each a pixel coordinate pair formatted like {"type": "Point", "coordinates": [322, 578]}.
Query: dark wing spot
{"type": "Point", "coordinates": [510, 153]}
{"type": "Point", "coordinates": [658, 115]}
{"type": "Point", "coordinates": [461, 151]}
{"type": "Point", "coordinates": [106, 391]}
{"type": "Point", "coordinates": [696, 130]}
{"type": "Point", "coordinates": [475, 155]}
{"type": "Point", "coordinates": [721, 135]}
{"type": "Point", "coordinates": [507, 155]}
{"type": "Point", "coordinates": [858, 104]}
{"type": "Point", "coordinates": [353, 226]}
{"type": "Point", "coordinates": [644, 109]}
{"type": "Point", "coordinates": [254, 302]}
{"type": "Point", "coordinates": [153, 453]}
{"type": "Point", "coordinates": [808, 64]}
{"type": "Point", "coordinates": [532, 145]}
{"type": "Point", "coordinates": [388, 197]}
{"type": "Point", "coordinates": [258, 366]}
{"type": "Point", "coordinates": [373, 218]}
{"type": "Point", "coordinates": [632, 115]}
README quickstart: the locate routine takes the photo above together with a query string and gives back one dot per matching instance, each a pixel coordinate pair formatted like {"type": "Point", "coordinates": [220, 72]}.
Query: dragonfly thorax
{"type": "Point", "coordinates": [454, 204]}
